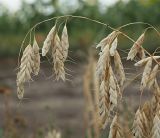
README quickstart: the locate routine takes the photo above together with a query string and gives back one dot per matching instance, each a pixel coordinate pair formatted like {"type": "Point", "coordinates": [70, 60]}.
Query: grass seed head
{"type": "Point", "coordinates": [146, 74]}
{"type": "Point", "coordinates": [57, 54]}
{"type": "Point", "coordinates": [113, 47]}
{"type": "Point", "coordinates": [136, 48]}
{"type": "Point", "coordinates": [119, 68]}
{"type": "Point", "coordinates": [65, 42]}
{"type": "Point", "coordinates": [48, 41]}
{"type": "Point", "coordinates": [116, 130]}
{"type": "Point", "coordinates": [36, 59]}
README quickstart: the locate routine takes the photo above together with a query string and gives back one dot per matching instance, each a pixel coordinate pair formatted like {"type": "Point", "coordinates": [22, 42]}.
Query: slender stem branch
{"type": "Point", "coordinates": [95, 21]}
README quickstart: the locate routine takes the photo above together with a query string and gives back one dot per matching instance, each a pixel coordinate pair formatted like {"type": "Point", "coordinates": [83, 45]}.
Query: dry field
{"type": "Point", "coordinates": [50, 104]}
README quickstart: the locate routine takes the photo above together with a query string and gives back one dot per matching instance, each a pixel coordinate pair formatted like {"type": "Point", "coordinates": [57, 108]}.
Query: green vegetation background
{"type": "Point", "coordinates": [83, 34]}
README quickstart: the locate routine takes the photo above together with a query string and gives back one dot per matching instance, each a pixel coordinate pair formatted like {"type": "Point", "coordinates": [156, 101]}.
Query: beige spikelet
{"type": "Point", "coordinates": [26, 68]}
{"type": "Point", "coordinates": [65, 42]}
{"type": "Point", "coordinates": [143, 61]}
{"type": "Point", "coordinates": [36, 59]}
{"type": "Point", "coordinates": [136, 48]}
{"type": "Point", "coordinates": [104, 105]}
{"type": "Point", "coordinates": [113, 48]}
{"type": "Point", "coordinates": [149, 113]}
{"type": "Point", "coordinates": [53, 134]}
{"type": "Point", "coordinates": [119, 68]}
{"type": "Point", "coordinates": [152, 76]}
{"type": "Point", "coordinates": [146, 74]}
{"type": "Point", "coordinates": [156, 126]}
{"type": "Point", "coordinates": [48, 41]}
{"type": "Point", "coordinates": [139, 124]}
{"type": "Point", "coordinates": [113, 92]}
{"type": "Point", "coordinates": [115, 129]}
{"type": "Point", "coordinates": [108, 40]}
{"type": "Point", "coordinates": [20, 90]}
{"type": "Point", "coordinates": [156, 91]}
{"type": "Point", "coordinates": [103, 63]}
{"type": "Point", "coordinates": [57, 54]}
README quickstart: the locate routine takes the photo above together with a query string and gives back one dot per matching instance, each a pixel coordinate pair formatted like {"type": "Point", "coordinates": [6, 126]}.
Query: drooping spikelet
{"type": "Point", "coordinates": [146, 74]}
{"type": "Point", "coordinates": [20, 90]}
{"type": "Point", "coordinates": [156, 126]}
{"type": "Point", "coordinates": [140, 124]}
{"type": "Point", "coordinates": [26, 68]}
{"type": "Point", "coordinates": [113, 48]}
{"type": "Point", "coordinates": [115, 129]}
{"type": "Point", "coordinates": [152, 76]}
{"type": "Point", "coordinates": [148, 110]}
{"type": "Point", "coordinates": [57, 54]}
{"type": "Point", "coordinates": [143, 61]}
{"type": "Point", "coordinates": [48, 41]}
{"type": "Point", "coordinates": [136, 48]}
{"type": "Point", "coordinates": [103, 62]}
{"type": "Point", "coordinates": [65, 42]}
{"type": "Point", "coordinates": [156, 91]}
{"type": "Point", "coordinates": [104, 103]}
{"type": "Point", "coordinates": [36, 59]}
{"type": "Point", "coordinates": [108, 40]}
{"type": "Point", "coordinates": [113, 92]}
{"type": "Point", "coordinates": [119, 68]}
{"type": "Point", "coordinates": [53, 134]}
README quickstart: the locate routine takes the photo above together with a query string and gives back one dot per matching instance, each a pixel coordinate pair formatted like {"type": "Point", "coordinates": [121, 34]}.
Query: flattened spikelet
{"type": "Point", "coordinates": [115, 129]}
{"type": "Point", "coordinates": [108, 40]}
{"type": "Point", "coordinates": [156, 127]}
{"type": "Point", "coordinates": [26, 68]}
{"type": "Point", "coordinates": [104, 103]}
{"type": "Point", "coordinates": [20, 91]}
{"type": "Point", "coordinates": [36, 59]}
{"type": "Point", "coordinates": [146, 74]}
{"type": "Point", "coordinates": [152, 76]}
{"type": "Point", "coordinates": [57, 54]}
{"type": "Point", "coordinates": [119, 68]}
{"type": "Point", "coordinates": [65, 42]}
{"type": "Point", "coordinates": [113, 48]}
{"type": "Point", "coordinates": [156, 90]}
{"type": "Point", "coordinates": [48, 41]}
{"type": "Point", "coordinates": [103, 62]}
{"type": "Point", "coordinates": [139, 124]}
{"type": "Point", "coordinates": [113, 92]}
{"type": "Point", "coordinates": [143, 61]}
{"type": "Point", "coordinates": [136, 48]}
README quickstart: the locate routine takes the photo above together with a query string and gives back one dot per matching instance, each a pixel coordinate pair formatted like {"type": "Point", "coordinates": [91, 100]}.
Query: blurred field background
{"type": "Point", "coordinates": [48, 103]}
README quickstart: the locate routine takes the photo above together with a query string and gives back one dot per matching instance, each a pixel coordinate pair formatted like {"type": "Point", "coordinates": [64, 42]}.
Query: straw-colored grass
{"type": "Point", "coordinates": [108, 79]}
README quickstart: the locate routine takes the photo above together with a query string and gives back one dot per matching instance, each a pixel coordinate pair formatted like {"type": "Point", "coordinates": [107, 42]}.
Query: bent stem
{"type": "Point", "coordinates": [95, 21]}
